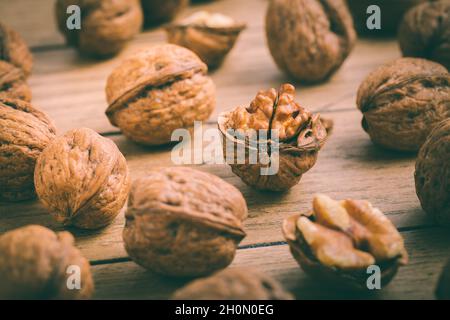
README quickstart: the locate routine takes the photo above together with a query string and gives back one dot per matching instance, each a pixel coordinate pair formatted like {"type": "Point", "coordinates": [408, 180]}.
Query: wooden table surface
{"type": "Point", "coordinates": [71, 90]}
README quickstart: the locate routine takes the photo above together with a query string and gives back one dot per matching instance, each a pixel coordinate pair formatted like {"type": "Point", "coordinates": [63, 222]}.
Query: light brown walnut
{"type": "Point", "coordinates": [14, 50]}
{"type": "Point", "coordinates": [13, 82]}
{"type": "Point", "coordinates": [158, 91]}
{"type": "Point", "coordinates": [37, 263]}
{"type": "Point", "coordinates": [183, 222]}
{"type": "Point", "coordinates": [82, 179]}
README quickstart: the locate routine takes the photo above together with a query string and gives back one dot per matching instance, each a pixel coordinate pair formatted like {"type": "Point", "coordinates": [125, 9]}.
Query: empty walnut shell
{"type": "Point", "coordinates": [158, 11]}
{"type": "Point", "coordinates": [210, 36]}
{"type": "Point", "coordinates": [443, 287]}
{"type": "Point", "coordinates": [106, 25]}
{"type": "Point", "coordinates": [300, 136]}
{"type": "Point", "coordinates": [391, 14]}
{"type": "Point", "coordinates": [425, 32]}
{"type": "Point", "coordinates": [13, 82]}
{"type": "Point", "coordinates": [234, 284]}
{"type": "Point", "coordinates": [338, 241]}
{"type": "Point", "coordinates": [402, 100]}
{"type": "Point", "coordinates": [432, 174]}
{"type": "Point", "coordinates": [14, 50]}
{"type": "Point", "coordinates": [25, 133]}
{"type": "Point", "coordinates": [158, 91]}
{"type": "Point", "coordinates": [309, 39]}
{"type": "Point", "coordinates": [37, 263]}
{"type": "Point", "coordinates": [182, 222]}
{"type": "Point", "coordinates": [83, 179]}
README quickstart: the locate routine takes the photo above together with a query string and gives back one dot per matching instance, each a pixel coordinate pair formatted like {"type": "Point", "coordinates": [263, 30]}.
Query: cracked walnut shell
{"type": "Point", "coordinates": [425, 32]}
{"type": "Point", "coordinates": [106, 25]}
{"type": "Point", "coordinates": [13, 83]}
{"type": "Point", "coordinates": [158, 91]}
{"type": "Point", "coordinates": [338, 241]}
{"type": "Point", "coordinates": [432, 175]}
{"type": "Point", "coordinates": [158, 11]}
{"type": "Point", "coordinates": [25, 133]}
{"type": "Point", "coordinates": [183, 222]}
{"type": "Point", "coordinates": [83, 179]}
{"type": "Point", "coordinates": [210, 36]}
{"type": "Point", "coordinates": [402, 101]}
{"type": "Point", "coordinates": [234, 284]}
{"type": "Point", "coordinates": [14, 50]}
{"type": "Point", "coordinates": [35, 263]}
{"type": "Point", "coordinates": [272, 116]}
{"type": "Point", "coordinates": [309, 39]}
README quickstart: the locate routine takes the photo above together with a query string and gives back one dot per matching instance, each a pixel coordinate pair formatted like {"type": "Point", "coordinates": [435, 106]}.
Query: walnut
{"type": "Point", "coordinates": [425, 32]}
{"type": "Point", "coordinates": [443, 287]}
{"type": "Point", "coordinates": [158, 11]}
{"type": "Point", "coordinates": [432, 174]}
{"type": "Point", "coordinates": [14, 50]}
{"type": "Point", "coordinates": [338, 241]}
{"type": "Point", "coordinates": [25, 133]}
{"type": "Point", "coordinates": [158, 91]}
{"type": "Point", "coordinates": [13, 82]}
{"type": "Point", "coordinates": [402, 100]}
{"type": "Point", "coordinates": [106, 25]}
{"type": "Point", "coordinates": [309, 39]}
{"type": "Point", "coordinates": [183, 222]}
{"type": "Point", "coordinates": [211, 36]}
{"type": "Point", "coordinates": [234, 284]}
{"type": "Point", "coordinates": [391, 14]}
{"type": "Point", "coordinates": [35, 263]}
{"type": "Point", "coordinates": [274, 115]}
{"type": "Point", "coordinates": [83, 179]}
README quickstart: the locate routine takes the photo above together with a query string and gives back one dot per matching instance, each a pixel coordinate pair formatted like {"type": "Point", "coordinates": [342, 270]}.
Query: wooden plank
{"type": "Point", "coordinates": [349, 166]}
{"type": "Point", "coordinates": [428, 251]}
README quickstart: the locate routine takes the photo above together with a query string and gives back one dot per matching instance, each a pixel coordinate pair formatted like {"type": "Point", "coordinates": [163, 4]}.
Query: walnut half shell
{"type": "Point", "coordinates": [338, 241]}
{"type": "Point", "coordinates": [36, 263]}
{"type": "Point", "coordinates": [183, 222]}
{"type": "Point", "coordinates": [83, 179]}
{"type": "Point", "coordinates": [210, 36]}
{"type": "Point", "coordinates": [300, 136]}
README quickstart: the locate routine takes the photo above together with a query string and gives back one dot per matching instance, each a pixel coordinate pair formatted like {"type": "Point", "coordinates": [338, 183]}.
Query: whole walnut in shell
{"type": "Point", "coordinates": [83, 179]}
{"type": "Point", "coordinates": [391, 13]}
{"type": "Point", "coordinates": [275, 124]}
{"type": "Point", "coordinates": [211, 36]}
{"type": "Point", "coordinates": [339, 240]}
{"type": "Point", "coordinates": [183, 222]}
{"type": "Point", "coordinates": [443, 287]}
{"type": "Point", "coordinates": [37, 263]}
{"type": "Point", "coordinates": [158, 91]}
{"type": "Point", "coordinates": [432, 174]}
{"type": "Point", "coordinates": [25, 133]}
{"type": "Point", "coordinates": [13, 82]}
{"type": "Point", "coordinates": [309, 39]}
{"type": "Point", "coordinates": [14, 50]}
{"type": "Point", "coordinates": [402, 100]}
{"type": "Point", "coordinates": [234, 284]}
{"type": "Point", "coordinates": [425, 32]}
{"type": "Point", "coordinates": [158, 11]}
{"type": "Point", "coordinates": [106, 25]}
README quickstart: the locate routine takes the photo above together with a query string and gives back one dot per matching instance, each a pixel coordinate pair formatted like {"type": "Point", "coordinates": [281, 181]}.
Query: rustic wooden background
{"type": "Point", "coordinates": [71, 90]}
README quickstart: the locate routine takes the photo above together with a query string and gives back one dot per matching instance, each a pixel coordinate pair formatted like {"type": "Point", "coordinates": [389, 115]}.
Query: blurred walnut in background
{"type": "Point", "coordinates": [14, 50]}
{"type": "Point", "coordinates": [13, 82]}
{"type": "Point", "coordinates": [106, 25]}
{"type": "Point", "coordinates": [159, 11]}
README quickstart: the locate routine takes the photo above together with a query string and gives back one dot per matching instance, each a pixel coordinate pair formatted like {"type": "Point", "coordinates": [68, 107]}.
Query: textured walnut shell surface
{"type": "Point", "coordinates": [13, 83]}
{"type": "Point", "coordinates": [158, 91]}
{"type": "Point", "coordinates": [34, 262]}
{"type": "Point", "coordinates": [157, 11]}
{"type": "Point", "coordinates": [401, 102]}
{"type": "Point", "coordinates": [107, 25]}
{"type": "Point", "coordinates": [432, 175]}
{"type": "Point", "coordinates": [183, 222]}
{"type": "Point", "coordinates": [25, 133]}
{"type": "Point", "coordinates": [211, 44]}
{"type": "Point", "coordinates": [309, 39]}
{"type": "Point", "coordinates": [425, 32]}
{"type": "Point", "coordinates": [391, 14]}
{"type": "Point", "coordinates": [14, 50]}
{"type": "Point", "coordinates": [83, 179]}
{"type": "Point", "coordinates": [234, 284]}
